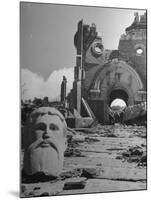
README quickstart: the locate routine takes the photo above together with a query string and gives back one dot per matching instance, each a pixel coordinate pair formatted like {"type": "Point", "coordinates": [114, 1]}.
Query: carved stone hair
{"type": "Point", "coordinates": [28, 129]}
{"type": "Point", "coordinates": [46, 110]}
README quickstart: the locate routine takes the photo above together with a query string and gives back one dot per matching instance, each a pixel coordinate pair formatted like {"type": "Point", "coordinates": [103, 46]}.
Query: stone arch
{"type": "Point", "coordinates": [117, 75]}
{"type": "Point", "coordinates": [121, 93]}
{"type": "Point", "coordinates": [111, 66]}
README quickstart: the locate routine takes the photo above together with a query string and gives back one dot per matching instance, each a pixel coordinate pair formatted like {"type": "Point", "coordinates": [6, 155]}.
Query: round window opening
{"type": "Point", "coordinates": [98, 48]}
{"type": "Point", "coordinates": [139, 51]}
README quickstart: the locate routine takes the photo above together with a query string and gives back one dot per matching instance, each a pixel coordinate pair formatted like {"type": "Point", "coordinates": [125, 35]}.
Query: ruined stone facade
{"type": "Point", "coordinates": [103, 75]}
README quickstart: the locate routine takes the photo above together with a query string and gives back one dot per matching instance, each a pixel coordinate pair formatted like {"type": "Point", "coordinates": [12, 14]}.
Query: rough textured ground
{"type": "Point", "coordinates": [99, 159]}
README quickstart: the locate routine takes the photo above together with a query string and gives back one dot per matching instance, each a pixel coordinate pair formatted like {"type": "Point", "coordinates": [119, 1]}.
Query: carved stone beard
{"type": "Point", "coordinates": [44, 156]}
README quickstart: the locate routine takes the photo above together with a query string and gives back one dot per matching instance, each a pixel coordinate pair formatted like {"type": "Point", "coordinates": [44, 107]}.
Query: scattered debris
{"type": "Point", "coordinates": [85, 130]}
{"type": "Point", "coordinates": [143, 160]}
{"type": "Point", "coordinates": [91, 139]}
{"type": "Point", "coordinates": [109, 135]}
{"type": "Point", "coordinates": [73, 152]}
{"type": "Point", "coordinates": [143, 145]}
{"type": "Point", "coordinates": [98, 146]}
{"type": "Point", "coordinates": [70, 174]}
{"type": "Point", "coordinates": [90, 172]}
{"type": "Point", "coordinates": [78, 138]}
{"type": "Point", "coordinates": [119, 157]}
{"type": "Point", "coordinates": [134, 154]}
{"type": "Point", "coordinates": [82, 172]}
{"type": "Point", "coordinates": [31, 194]}
{"type": "Point", "coordinates": [44, 194]}
{"type": "Point", "coordinates": [140, 133]}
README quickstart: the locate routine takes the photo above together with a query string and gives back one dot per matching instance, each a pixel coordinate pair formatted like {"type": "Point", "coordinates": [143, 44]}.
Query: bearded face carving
{"type": "Point", "coordinates": [45, 142]}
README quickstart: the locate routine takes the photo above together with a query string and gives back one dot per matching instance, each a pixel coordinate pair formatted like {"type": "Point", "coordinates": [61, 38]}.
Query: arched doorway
{"type": "Point", "coordinates": [118, 94]}
{"type": "Point", "coordinates": [117, 101]}
{"type": "Point", "coordinates": [116, 80]}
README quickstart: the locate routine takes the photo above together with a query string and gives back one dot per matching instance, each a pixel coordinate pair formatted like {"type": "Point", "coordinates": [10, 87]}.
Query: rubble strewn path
{"type": "Point", "coordinates": [99, 159]}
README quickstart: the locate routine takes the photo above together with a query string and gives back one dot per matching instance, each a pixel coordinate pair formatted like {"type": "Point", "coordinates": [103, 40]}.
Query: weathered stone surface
{"type": "Point", "coordinates": [91, 172]}
{"type": "Point", "coordinates": [74, 184]}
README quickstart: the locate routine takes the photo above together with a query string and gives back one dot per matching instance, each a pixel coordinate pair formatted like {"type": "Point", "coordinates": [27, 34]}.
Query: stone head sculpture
{"type": "Point", "coordinates": [45, 142]}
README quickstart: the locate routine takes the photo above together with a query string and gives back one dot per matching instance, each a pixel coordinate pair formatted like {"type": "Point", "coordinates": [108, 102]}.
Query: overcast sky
{"type": "Point", "coordinates": [47, 32]}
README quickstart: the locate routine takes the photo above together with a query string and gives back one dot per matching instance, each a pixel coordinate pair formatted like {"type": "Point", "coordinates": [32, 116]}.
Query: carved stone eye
{"type": "Point", "coordinates": [139, 51]}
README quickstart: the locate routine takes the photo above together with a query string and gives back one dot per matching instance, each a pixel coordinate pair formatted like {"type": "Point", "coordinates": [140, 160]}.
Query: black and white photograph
{"type": "Point", "coordinates": [83, 99]}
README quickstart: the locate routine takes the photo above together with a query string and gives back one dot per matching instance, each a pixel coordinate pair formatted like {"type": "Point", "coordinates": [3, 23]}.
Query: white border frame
{"type": "Point", "coordinates": [9, 101]}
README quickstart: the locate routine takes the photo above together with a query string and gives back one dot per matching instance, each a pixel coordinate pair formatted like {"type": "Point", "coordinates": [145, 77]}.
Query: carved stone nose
{"type": "Point", "coordinates": [46, 135]}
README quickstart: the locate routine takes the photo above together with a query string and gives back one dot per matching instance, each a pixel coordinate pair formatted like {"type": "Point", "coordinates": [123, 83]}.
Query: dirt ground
{"type": "Point", "coordinates": [98, 159]}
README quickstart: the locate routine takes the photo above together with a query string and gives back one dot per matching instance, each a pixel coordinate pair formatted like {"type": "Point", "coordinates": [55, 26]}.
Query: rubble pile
{"type": "Point", "coordinates": [88, 173]}
{"type": "Point", "coordinates": [70, 174]}
{"type": "Point", "coordinates": [98, 131]}
{"type": "Point", "coordinates": [73, 152]}
{"type": "Point", "coordinates": [135, 154]}
{"type": "Point", "coordinates": [91, 140]}
{"type": "Point", "coordinates": [140, 133]}
{"type": "Point", "coordinates": [111, 155]}
{"type": "Point", "coordinates": [75, 140]}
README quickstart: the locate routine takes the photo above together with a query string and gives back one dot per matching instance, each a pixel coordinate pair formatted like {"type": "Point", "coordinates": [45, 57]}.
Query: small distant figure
{"type": "Point", "coordinates": [44, 141]}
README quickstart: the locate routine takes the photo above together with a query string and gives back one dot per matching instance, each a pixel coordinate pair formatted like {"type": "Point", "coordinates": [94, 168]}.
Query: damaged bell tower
{"type": "Point", "coordinates": [83, 37]}
{"type": "Point", "coordinates": [78, 70]}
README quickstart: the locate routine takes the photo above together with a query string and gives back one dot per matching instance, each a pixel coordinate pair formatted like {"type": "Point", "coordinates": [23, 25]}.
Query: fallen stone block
{"type": "Point", "coordinates": [74, 185]}
{"type": "Point", "coordinates": [91, 172]}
